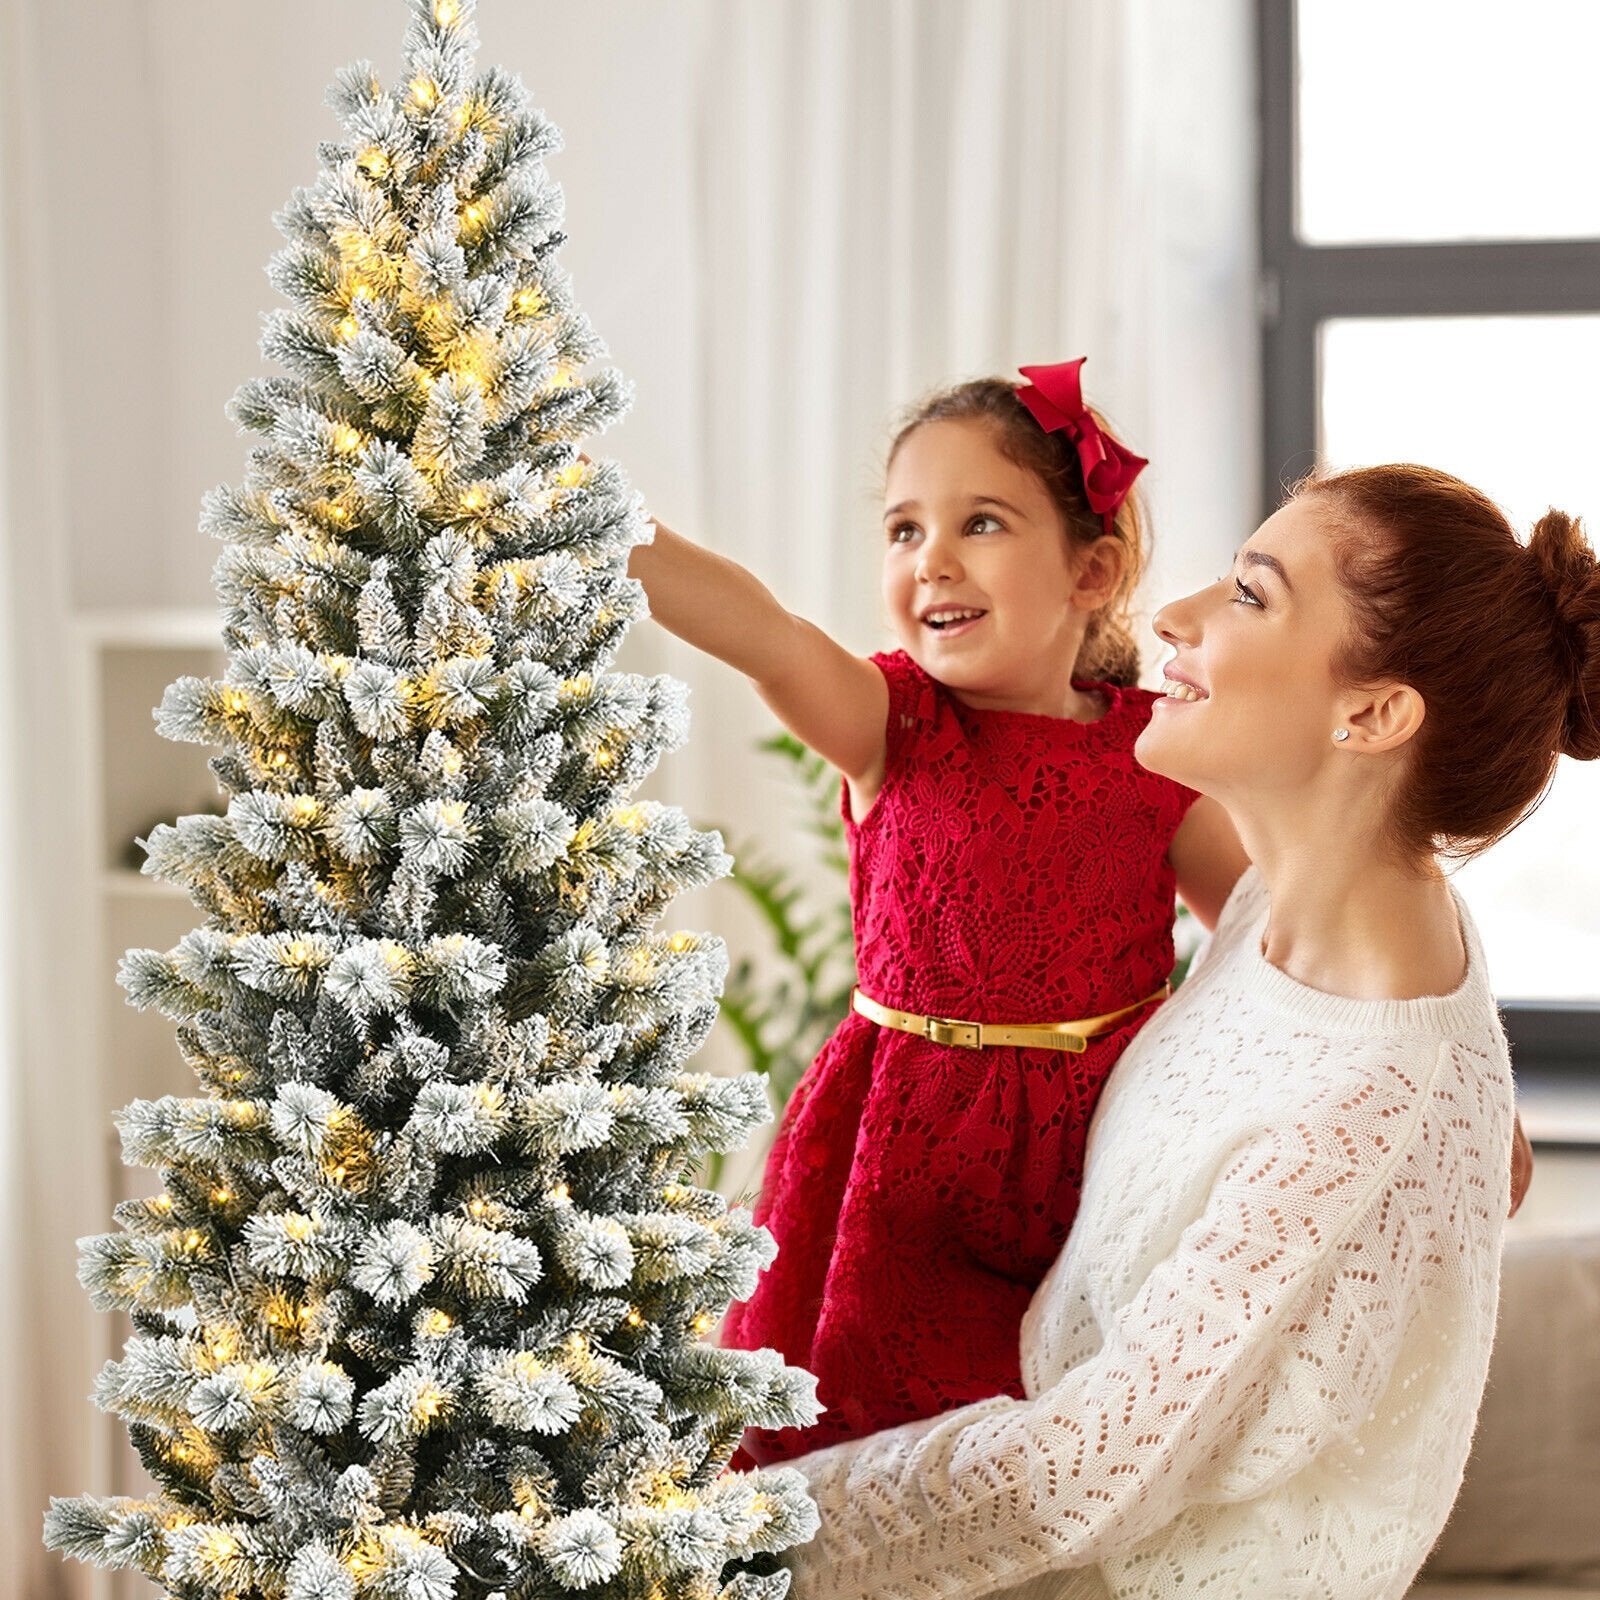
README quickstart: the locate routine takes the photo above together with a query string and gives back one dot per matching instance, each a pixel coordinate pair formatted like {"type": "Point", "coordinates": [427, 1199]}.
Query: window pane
{"type": "Point", "coordinates": [1506, 403]}
{"type": "Point", "coordinates": [1420, 120]}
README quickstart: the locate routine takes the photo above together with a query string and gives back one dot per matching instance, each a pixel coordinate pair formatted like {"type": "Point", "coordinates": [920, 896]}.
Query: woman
{"type": "Point", "coordinates": [1255, 1367]}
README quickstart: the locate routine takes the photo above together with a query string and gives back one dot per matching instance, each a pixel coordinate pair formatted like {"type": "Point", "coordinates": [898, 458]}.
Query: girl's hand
{"type": "Point", "coordinates": [1521, 1166]}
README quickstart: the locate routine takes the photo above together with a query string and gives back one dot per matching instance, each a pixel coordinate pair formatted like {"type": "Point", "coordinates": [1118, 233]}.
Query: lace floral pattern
{"type": "Point", "coordinates": [1012, 869]}
{"type": "Point", "coordinates": [1255, 1367]}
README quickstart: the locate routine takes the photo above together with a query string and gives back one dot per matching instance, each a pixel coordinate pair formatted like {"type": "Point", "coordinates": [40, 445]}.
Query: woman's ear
{"type": "Point", "coordinates": [1382, 719]}
{"type": "Point", "coordinates": [1098, 572]}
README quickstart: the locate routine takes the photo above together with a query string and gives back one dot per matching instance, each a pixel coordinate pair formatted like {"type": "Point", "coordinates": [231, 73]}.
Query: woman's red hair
{"type": "Point", "coordinates": [1501, 640]}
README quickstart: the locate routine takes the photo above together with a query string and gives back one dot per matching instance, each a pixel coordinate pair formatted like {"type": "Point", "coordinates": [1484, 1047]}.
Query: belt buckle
{"type": "Point", "coordinates": [948, 1030]}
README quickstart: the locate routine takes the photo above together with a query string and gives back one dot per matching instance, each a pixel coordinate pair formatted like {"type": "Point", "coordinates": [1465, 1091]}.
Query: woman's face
{"type": "Point", "coordinates": [1251, 702]}
{"type": "Point", "coordinates": [968, 530]}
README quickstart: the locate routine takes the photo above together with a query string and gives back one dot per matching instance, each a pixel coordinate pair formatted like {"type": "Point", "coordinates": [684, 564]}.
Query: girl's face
{"type": "Point", "coordinates": [1252, 702]}
{"type": "Point", "coordinates": [978, 570]}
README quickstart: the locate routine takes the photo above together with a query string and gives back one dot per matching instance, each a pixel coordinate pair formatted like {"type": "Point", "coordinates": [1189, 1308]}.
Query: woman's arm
{"type": "Point", "coordinates": [1264, 1338]}
{"type": "Point", "coordinates": [833, 701]}
{"type": "Point", "coordinates": [1208, 859]}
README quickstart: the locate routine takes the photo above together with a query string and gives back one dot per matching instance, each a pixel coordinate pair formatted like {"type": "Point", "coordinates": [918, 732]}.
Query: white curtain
{"type": "Point", "coordinates": [53, 1124]}
{"type": "Point", "coordinates": [788, 220]}
{"type": "Point", "coordinates": [894, 195]}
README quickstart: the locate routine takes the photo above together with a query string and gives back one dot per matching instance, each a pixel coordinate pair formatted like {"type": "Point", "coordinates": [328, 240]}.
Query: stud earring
{"type": "Point", "coordinates": [1340, 735]}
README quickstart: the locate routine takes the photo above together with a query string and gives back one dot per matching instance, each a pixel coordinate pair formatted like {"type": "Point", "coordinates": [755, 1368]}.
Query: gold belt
{"type": "Point", "coordinates": [1073, 1036]}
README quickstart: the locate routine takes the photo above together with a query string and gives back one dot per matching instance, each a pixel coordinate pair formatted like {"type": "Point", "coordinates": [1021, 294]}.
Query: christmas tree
{"type": "Point", "coordinates": [420, 1310]}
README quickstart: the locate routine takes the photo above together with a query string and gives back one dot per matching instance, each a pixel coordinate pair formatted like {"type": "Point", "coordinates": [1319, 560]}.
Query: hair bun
{"type": "Point", "coordinates": [1570, 573]}
{"type": "Point", "coordinates": [1568, 567]}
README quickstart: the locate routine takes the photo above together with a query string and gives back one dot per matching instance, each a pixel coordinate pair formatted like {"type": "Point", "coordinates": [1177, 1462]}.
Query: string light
{"type": "Point", "coordinates": [702, 1324]}
{"type": "Point", "coordinates": [634, 1319]}
{"type": "Point", "coordinates": [346, 439]}
{"type": "Point", "coordinates": [349, 328]}
{"type": "Point", "coordinates": [561, 1195]}
{"type": "Point", "coordinates": [222, 1343]}
{"type": "Point", "coordinates": [221, 1546]}
{"type": "Point", "coordinates": [528, 302]}
{"type": "Point", "coordinates": [222, 1196]}
{"type": "Point", "coordinates": [444, 12]}
{"type": "Point", "coordinates": [437, 1322]}
{"type": "Point", "coordinates": [374, 163]}
{"type": "Point", "coordinates": [424, 91]}
{"type": "Point", "coordinates": [570, 477]}
{"type": "Point", "coordinates": [681, 942]}
{"type": "Point", "coordinates": [284, 1313]}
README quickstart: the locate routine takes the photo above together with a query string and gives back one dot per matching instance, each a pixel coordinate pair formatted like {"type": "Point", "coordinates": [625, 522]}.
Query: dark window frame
{"type": "Point", "coordinates": [1303, 285]}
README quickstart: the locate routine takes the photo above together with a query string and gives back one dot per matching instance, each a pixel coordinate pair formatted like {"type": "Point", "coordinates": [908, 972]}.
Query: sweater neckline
{"type": "Point", "coordinates": [1451, 1015]}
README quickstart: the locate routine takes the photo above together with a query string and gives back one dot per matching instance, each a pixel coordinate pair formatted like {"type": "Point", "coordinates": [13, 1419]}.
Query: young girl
{"type": "Point", "coordinates": [1012, 881]}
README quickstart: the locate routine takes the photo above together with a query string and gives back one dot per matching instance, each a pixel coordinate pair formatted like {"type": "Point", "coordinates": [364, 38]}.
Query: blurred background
{"type": "Point", "coordinates": [1355, 231]}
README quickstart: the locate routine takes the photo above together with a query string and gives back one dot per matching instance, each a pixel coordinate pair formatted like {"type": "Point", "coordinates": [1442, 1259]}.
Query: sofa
{"type": "Point", "coordinates": [1526, 1525]}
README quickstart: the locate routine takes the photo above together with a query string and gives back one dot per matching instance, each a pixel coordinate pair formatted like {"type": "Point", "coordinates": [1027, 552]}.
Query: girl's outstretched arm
{"type": "Point", "coordinates": [833, 701]}
{"type": "Point", "coordinates": [1208, 859]}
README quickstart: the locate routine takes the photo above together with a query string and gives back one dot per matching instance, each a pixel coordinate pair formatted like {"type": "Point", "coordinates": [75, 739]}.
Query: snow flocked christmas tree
{"type": "Point", "coordinates": [420, 1309]}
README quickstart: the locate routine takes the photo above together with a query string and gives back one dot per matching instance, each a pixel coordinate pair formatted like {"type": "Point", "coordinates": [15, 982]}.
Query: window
{"type": "Point", "coordinates": [1430, 234]}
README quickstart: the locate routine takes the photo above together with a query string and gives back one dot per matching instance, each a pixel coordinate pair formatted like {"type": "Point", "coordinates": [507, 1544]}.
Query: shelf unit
{"type": "Point", "coordinates": [137, 779]}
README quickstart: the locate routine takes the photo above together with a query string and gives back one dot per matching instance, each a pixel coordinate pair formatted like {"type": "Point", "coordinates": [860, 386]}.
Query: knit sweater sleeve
{"type": "Point", "coordinates": [1264, 1335]}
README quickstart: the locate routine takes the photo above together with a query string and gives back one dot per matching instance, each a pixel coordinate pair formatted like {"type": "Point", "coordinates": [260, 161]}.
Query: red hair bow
{"type": "Point", "coordinates": [1055, 397]}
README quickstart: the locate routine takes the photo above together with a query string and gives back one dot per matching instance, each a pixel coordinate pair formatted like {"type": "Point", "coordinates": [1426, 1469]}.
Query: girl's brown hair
{"type": "Point", "coordinates": [1501, 640]}
{"type": "Point", "coordinates": [1109, 654]}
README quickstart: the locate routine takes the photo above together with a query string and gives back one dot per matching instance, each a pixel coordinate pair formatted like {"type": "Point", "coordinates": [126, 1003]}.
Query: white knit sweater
{"type": "Point", "coordinates": [1255, 1367]}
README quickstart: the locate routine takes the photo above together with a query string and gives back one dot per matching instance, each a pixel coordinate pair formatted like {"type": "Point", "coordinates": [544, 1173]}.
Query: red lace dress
{"type": "Point", "coordinates": [1012, 869]}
